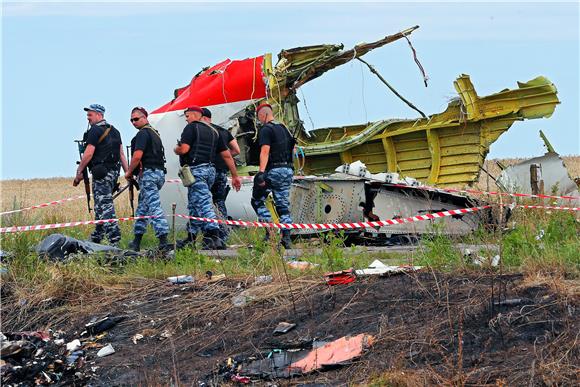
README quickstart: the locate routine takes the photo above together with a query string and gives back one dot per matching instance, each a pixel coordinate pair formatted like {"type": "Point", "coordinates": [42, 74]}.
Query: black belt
{"type": "Point", "coordinates": [280, 165]}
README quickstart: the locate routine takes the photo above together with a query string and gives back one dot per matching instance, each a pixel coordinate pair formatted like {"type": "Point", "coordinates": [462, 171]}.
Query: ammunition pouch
{"type": "Point", "coordinates": [99, 171]}
{"type": "Point", "coordinates": [186, 176]}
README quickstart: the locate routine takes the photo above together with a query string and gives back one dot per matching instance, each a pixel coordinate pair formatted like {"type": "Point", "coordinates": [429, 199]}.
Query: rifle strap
{"type": "Point", "coordinates": [104, 134]}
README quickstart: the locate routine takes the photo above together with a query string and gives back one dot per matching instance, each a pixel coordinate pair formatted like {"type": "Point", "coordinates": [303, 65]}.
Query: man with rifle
{"type": "Point", "coordinates": [148, 166]}
{"type": "Point", "coordinates": [103, 155]}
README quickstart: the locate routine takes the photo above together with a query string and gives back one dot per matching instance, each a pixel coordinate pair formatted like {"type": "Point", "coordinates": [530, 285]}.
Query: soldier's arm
{"type": "Point", "coordinates": [234, 147]}
{"type": "Point", "coordinates": [124, 163]}
{"type": "Point", "coordinates": [264, 156]}
{"type": "Point", "coordinates": [181, 149]}
{"type": "Point", "coordinates": [236, 181]}
{"type": "Point", "coordinates": [87, 156]}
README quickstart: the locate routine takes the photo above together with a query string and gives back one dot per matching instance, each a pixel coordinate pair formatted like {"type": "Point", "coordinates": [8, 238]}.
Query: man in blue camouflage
{"type": "Point", "coordinates": [200, 144]}
{"type": "Point", "coordinates": [148, 167]}
{"type": "Point", "coordinates": [103, 154]}
{"type": "Point", "coordinates": [220, 189]}
{"type": "Point", "coordinates": [276, 170]}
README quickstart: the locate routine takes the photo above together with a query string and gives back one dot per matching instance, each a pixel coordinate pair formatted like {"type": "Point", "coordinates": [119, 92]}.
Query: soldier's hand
{"type": "Point", "coordinates": [237, 183]}
{"type": "Point", "coordinates": [77, 179]}
{"type": "Point", "coordinates": [260, 179]}
{"type": "Point", "coordinates": [128, 176]}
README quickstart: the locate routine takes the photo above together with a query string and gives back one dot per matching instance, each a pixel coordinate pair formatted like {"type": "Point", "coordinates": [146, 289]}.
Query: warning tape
{"type": "Point", "coordinates": [38, 227]}
{"type": "Point", "coordinates": [313, 226]}
{"type": "Point", "coordinates": [339, 226]}
{"type": "Point", "coordinates": [422, 187]}
{"type": "Point", "coordinates": [54, 202]}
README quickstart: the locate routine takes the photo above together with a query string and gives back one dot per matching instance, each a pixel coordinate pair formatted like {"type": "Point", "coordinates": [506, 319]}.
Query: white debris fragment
{"type": "Point", "coordinates": [73, 345]}
{"type": "Point", "coordinates": [379, 268]}
{"type": "Point", "coordinates": [106, 351]}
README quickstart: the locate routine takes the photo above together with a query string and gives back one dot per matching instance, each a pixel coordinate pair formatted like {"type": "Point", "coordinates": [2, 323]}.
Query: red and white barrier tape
{"type": "Point", "coordinates": [38, 227]}
{"type": "Point", "coordinates": [314, 226]}
{"type": "Point", "coordinates": [339, 226]}
{"type": "Point", "coordinates": [44, 205]}
{"type": "Point", "coordinates": [550, 207]}
{"type": "Point", "coordinates": [475, 192]}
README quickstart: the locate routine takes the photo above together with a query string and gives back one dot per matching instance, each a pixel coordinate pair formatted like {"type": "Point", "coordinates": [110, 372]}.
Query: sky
{"type": "Point", "coordinates": [59, 57]}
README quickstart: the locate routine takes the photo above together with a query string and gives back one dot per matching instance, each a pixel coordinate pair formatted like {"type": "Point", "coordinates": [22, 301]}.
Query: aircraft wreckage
{"type": "Point", "coordinates": [442, 149]}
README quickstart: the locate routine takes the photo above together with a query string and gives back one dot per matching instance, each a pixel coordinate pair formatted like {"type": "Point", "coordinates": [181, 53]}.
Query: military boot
{"type": "Point", "coordinates": [163, 244]}
{"type": "Point", "coordinates": [190, 239]}
{"type": "Point", "coordinates": [135, 244]}
{"type": "Point", "coordinates": [286, 241]}
{"type": "Point", "coordinates": [212, 241]}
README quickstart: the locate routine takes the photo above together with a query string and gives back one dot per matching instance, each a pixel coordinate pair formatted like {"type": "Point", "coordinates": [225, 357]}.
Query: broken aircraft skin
{"type": "Point", "coordinates": [553, 177]}
{"type": "Point", "coordinates": [443, 149]}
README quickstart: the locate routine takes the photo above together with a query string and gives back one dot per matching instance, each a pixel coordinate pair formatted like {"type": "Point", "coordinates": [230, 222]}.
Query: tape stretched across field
{"type": "Point", "coordinates": [424, 187]}
{"type": "Point", "coordinates": [242, 223]}
{"type": "Point", "coordinates": [311, 226]}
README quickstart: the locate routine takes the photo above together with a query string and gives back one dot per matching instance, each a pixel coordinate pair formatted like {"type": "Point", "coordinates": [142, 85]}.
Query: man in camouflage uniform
{"type": "Point", "coordinates": [198, 148]}
{"type": "Point", "coordinates": [220, 188]}
{"type": "Point", "coordinates": [148, 166]}
{"type": "Point", "coordinates": [276, 170]}
{"type": "Point", "coordinates": [103, 155]}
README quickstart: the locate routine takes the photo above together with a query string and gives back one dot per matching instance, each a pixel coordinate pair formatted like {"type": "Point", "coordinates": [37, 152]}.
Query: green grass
{"type": "Point", "coordinates": [558, 250]}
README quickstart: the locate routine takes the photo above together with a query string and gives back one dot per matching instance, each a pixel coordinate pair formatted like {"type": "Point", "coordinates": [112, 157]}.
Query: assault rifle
{"type": "Point", "coordinates": [82, 146]}
{"type": "Point", "coordinates": [132, 184]}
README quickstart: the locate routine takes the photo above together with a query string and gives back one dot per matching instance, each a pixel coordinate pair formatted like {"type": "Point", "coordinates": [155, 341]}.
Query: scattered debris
{"type": "Point", "coordinates": [165, 334]}
{"type": "Point", "coordinates": [136, 338]}
{"type": "Point", "coordinates": [471, 258]}
{"type": "Point", "coordinates": [180, 279]}
{"type": "Point", "coordinates": [379, 268]}
{"type": "Point", "coordinates": [73, 345]}
{"type": "Point", "coordinates": [263, 279]}
{"type": "Point", "coordinates": [283, 327]}
{"type": "Point", "coordinates": [242, 299]}
{"type": "Point", "coordinates": [94, 327]}
{"type": "Point", "coordinates": [340, 277]}
{"type": "Point", "coordinates": [106, 351]}
{"type": "Point", "coordinates": [301, 265]}
{"type": "Point", "coordinates": [334, 353]}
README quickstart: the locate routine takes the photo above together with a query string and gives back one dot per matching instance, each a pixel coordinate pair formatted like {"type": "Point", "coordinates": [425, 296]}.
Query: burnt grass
{"type": "Point", "coordinates": [430, 328]}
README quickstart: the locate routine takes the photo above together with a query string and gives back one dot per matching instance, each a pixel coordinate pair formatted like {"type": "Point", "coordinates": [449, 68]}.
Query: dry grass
{"type": "Point", "coordinates": [23, 193]}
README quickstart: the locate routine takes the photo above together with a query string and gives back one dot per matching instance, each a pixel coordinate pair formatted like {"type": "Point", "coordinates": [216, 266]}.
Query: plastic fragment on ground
{"type": "Point", "coordinates": [180, 279]}
{"type": "Point", "coordinates": [334, 353]}
{"type": "Point", "coordinates": [283, 327]}
{"type": "Point", "coordinates": [106, 351]}
{"type": "Point", "coordinates": [379, 268]}
{"type": "Point", "coordinates": [301, 265]}
{"type": "Point", "coordinates": [342, 277]}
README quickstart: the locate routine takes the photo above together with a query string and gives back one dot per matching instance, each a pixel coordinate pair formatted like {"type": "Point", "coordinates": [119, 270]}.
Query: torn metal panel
{"type": "Point", "coordinates": [554, 178]}
{"type": "Point", "coordinates": [299, 65]}
{"type": "Point", "coordinates": [346, 199]}
{"type": "Point", "coordinates": [445, 149]}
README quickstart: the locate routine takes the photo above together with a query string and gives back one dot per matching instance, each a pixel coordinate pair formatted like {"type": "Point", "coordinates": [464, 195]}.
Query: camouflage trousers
{"type": "Point", "coordinates": [219, 191]}
{"type": "Point", "coordinates": [150, 203]}
{"type": "Point", "coordinates": [105, 209]}
{"type": "Point", "coordinates": [199, 200]}
{"type": "Point", "coordinates": [278, 181]}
